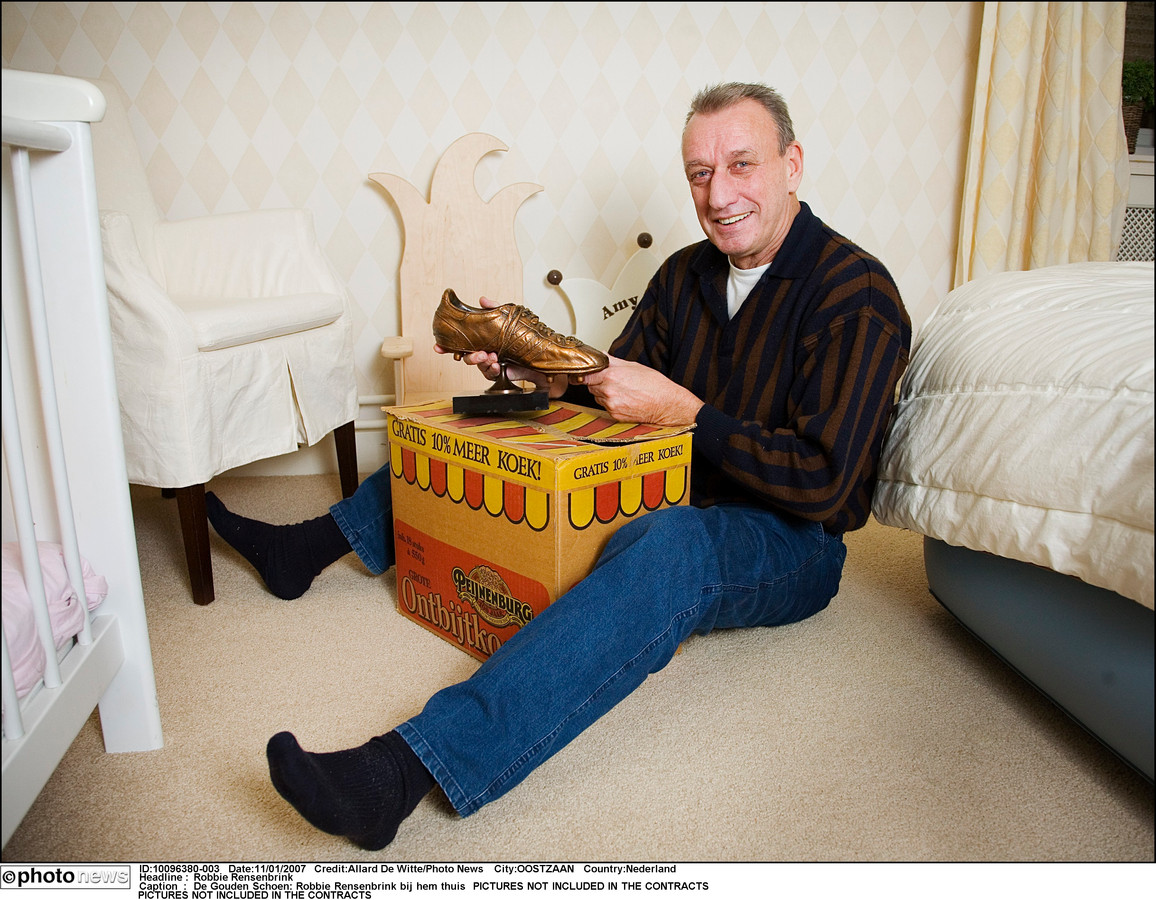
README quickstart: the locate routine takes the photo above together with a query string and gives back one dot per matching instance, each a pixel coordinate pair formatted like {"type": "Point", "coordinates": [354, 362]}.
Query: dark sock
{"type": "Point", "coordinates": [287, 557]}
{"type": "Point", "coordinates": [363, 794]}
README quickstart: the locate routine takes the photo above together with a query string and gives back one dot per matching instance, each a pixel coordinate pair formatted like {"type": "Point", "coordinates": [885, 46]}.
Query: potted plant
{"type": "Point", "coordinates": [1136, 82]}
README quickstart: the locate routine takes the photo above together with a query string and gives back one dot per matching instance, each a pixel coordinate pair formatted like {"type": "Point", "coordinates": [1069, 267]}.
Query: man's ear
{"type": "Point", "coordinates": [794, 157]}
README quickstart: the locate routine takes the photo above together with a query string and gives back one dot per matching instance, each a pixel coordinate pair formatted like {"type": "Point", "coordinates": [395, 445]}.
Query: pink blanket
{"type": "Point", "coordinates": [24, 649]}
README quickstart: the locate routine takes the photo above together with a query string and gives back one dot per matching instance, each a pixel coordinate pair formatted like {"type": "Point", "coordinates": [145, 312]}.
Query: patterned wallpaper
{"type": "Point", "coordinates": [256, 105]}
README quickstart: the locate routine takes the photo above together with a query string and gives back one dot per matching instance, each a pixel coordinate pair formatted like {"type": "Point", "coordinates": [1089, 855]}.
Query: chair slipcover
{"type": "Point", "coordinates": [233, 335]}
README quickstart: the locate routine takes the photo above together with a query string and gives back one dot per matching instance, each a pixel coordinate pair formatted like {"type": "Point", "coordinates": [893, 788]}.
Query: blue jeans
{"type": "Point", "coordinates": [366, 520]}
{"type": "Point", "coordinates": [664, 576]}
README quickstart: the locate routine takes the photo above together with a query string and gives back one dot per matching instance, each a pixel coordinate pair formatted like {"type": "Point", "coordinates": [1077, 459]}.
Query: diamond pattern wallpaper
{"type": "Point", "coordinates": [258, 105]}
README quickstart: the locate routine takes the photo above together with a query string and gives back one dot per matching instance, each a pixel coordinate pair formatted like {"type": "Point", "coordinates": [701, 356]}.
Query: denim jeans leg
{"type": "Point", "coordinates": [366, 520]}
{"type": "Point", "coordinates": [662, 577]}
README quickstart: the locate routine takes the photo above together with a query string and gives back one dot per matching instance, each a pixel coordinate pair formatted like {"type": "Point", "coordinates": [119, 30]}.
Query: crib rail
{"type": "Point", "coordinates": [62, 445]}
{"type": "Point", "coordinates": [21, 137]}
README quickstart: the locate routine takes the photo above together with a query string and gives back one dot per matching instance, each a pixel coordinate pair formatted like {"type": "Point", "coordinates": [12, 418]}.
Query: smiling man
{"type": "Point", "coordinates": [743, 175]}
{"type": "Point", "coordinates": [782, 343]}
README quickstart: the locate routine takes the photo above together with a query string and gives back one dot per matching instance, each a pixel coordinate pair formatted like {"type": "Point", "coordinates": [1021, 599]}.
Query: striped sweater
{"type": "Point", "coordinates": [798, 387]}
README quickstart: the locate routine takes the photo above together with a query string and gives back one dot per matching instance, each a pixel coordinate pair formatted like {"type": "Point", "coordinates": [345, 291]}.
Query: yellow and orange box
{"type": "Point", "coordinates": [496, 517]}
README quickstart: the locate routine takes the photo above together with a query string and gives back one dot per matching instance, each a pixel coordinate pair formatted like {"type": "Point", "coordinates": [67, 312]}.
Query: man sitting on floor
{"type": "Point", "coordinates": [782, 343]}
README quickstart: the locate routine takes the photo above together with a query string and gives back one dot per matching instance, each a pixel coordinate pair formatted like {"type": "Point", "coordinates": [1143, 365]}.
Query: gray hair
{"type": "Point", "coordinates": [722, 96]}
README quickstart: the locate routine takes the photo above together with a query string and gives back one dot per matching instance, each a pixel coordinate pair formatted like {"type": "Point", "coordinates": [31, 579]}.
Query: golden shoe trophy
{"type": "Point", "coordinates": [518, 337]}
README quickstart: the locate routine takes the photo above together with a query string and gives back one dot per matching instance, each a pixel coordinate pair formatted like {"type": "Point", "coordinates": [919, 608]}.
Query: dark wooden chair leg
{"type": "Point", "coordinates": [195, 529]}
{"type": "Point", "coordinates": [346, 439]}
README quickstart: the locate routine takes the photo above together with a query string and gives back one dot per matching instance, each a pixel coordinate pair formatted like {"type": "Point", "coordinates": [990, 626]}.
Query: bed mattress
{"type": "Point", "coordinates": [1025, 424]}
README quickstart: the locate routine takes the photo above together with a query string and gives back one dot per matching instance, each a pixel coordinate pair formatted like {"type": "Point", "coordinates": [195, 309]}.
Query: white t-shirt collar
{"type": "Point", "coordinates": [740, 283]}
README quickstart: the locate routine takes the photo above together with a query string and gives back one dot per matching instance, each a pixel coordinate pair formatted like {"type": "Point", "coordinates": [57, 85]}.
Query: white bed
{"type": "Point", "coordinates": [65, 480]}
{"type": "Point", "coordinates": [1022, 449]}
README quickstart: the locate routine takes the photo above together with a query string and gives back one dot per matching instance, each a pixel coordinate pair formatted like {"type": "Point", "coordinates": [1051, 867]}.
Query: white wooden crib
{"type": "Point", "coordinates": [63, 452]}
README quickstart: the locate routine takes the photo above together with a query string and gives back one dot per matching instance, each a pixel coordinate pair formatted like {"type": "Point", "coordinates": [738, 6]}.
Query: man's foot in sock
{"type": "Point", "coordinates": [362, 794]}
{"type": "Point", "coordinates": [287, 557]}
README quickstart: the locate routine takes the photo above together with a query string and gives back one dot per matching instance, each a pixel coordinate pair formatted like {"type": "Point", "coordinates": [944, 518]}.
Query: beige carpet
{"type": "Point", "coordinates": [879, 730]}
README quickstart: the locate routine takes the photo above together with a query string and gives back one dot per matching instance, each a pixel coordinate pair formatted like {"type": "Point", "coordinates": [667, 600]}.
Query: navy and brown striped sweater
{"type": "Point", "coordinates": [798, 387]}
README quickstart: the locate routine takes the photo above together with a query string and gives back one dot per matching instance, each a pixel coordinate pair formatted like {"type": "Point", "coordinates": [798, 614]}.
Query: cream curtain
{"type": "Point", "coordinates": [1047, 169]}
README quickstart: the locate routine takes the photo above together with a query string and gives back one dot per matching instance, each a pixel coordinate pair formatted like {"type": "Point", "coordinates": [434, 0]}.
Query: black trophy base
{"type": "Point", "coordinates": [498, 404]}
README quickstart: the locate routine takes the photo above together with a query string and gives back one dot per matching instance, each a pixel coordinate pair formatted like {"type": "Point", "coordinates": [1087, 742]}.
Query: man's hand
{"type": "Point", "coordinates": [632, 392]}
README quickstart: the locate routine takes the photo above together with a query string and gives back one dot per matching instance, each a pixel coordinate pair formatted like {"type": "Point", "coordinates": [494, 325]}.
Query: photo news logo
{"type": "Point", "coordinates": [74, 877]}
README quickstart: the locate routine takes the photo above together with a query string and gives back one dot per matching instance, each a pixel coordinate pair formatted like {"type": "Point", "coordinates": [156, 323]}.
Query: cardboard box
{"type": "Point", "coordinates": [495, 518]}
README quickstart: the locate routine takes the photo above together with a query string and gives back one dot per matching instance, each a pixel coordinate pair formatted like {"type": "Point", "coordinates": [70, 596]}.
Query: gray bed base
{"type": "Point", "coordinates": [1087, 649]}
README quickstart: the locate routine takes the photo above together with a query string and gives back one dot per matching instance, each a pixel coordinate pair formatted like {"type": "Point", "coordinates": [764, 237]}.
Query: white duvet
{"type": "Point", "coordinates": [1025, 424]}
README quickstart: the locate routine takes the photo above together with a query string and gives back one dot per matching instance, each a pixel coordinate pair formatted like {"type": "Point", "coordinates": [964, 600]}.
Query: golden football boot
{"type": "Point", "coordinates": [515, 335]}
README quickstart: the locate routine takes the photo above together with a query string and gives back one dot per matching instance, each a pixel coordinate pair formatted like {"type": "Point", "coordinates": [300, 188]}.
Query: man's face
{"type": "Point", "coordinates": [743, 190]}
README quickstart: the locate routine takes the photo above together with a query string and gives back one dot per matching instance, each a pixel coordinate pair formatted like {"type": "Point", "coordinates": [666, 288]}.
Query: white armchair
{"type": "Point", "coordinates": [232, 338]}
